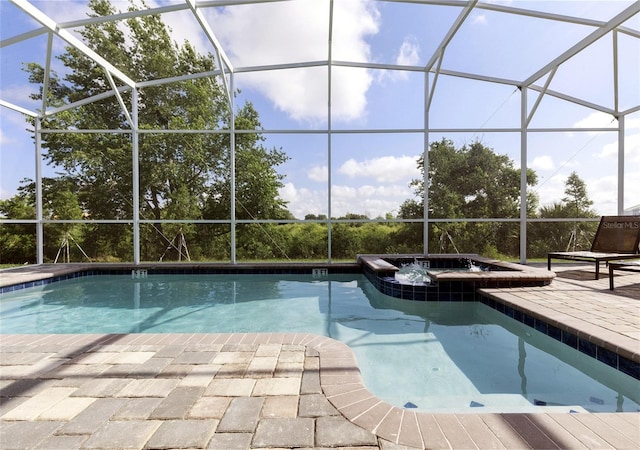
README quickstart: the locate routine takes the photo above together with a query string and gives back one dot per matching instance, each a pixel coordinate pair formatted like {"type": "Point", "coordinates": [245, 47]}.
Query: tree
{"type": "Point", "coordinates": [308, 241]}
{"type": "Point", "coordinates": [257, 184]}
{"type": "Point", "coordinates": [577, 201]}
{"type": "Point", "coordinates": [545, 237]}
{"type": "Point", "coordinates": [17, 241]}
{"type": "Point", "coordinates": [578, 204]}
{"type": "Point", "coordinates": [315, 217]}
{"type": "Point", "coordinates": [181, 176]}
{"type": "Point", "coordinates": [59, 202]}
{"type": "Point", "coordinates": [470, 182]}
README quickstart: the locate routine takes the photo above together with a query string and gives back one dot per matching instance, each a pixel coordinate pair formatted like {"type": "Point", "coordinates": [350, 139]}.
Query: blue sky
{"type": "Point", "coordinates": [370, 172]}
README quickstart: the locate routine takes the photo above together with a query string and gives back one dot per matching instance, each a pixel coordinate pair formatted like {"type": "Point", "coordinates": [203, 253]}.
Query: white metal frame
{"type": "Point", "coordinates": [226, 71]}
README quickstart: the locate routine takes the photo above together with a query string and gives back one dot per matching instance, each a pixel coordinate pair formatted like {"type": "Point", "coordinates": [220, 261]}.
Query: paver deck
{"type": "Point", "coordinates": [278, 390]}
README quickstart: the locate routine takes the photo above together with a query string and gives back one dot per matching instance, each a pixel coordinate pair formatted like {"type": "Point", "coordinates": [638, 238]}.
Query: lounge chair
{"type": "Point", "coordinates": [617, 238]}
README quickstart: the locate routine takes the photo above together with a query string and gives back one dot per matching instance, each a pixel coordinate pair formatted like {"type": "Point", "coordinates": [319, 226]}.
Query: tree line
{"type": "Point", "coordinates": [474, 194]}
{"type": "Point", "coordinates": [187, 176]}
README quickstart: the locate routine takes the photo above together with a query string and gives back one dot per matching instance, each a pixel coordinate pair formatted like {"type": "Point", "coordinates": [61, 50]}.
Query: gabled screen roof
{"type": "Point", "coordinates": [517, 43]}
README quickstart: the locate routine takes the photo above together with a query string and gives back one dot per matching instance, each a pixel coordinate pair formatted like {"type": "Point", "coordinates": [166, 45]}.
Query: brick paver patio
{"type": "Point", "coordinates": [242, 391]}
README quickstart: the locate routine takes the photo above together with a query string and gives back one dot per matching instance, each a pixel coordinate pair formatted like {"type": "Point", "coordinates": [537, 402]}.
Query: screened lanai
{"type": "Point", "coordinates": [299, 130]}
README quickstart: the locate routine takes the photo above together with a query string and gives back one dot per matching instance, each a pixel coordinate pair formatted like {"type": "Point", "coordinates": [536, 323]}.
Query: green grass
{"type": "Point", "coordinates": [9, 266]}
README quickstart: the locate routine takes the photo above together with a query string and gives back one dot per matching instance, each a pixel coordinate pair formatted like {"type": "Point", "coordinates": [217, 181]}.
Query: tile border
{"type": "Point", "coordinates": [569, 336]}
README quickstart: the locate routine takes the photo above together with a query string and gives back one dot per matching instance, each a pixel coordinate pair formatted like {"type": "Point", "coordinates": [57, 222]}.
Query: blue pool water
{"type": "Point", "coordinates": [436, 356]}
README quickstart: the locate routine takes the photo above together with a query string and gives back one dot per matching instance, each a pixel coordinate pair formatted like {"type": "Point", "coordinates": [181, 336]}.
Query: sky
{"type": "Point", "coordinates": [371, 171]}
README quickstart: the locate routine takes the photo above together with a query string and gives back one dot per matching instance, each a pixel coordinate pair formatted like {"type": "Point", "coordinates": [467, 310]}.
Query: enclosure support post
{"type": "Point", "coordinates": [523, 175]}
{"type": "Point", "coordinates": [329, 134]}
{"type": "Point", "coordinates": [39, 225]}
{"type": "Point", "coordinates": [620, 165]}
{"type": "Point", "coordinates": [425, 172]}
{"type": "Point", "coordinates": [621, 124]}
{"type": "Point", "coordinates": [135, 181]}
{"type": "Point", "coordinates": [232, 175]}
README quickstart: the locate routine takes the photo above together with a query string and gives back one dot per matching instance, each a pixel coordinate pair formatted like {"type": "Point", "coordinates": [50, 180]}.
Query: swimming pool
{"type": "Point", "coordinates": [436, 356]}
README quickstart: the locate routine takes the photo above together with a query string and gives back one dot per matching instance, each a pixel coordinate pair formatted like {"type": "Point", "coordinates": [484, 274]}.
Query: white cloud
{"type": "Point", "coordinates": [631, 144]}
{"type": "Point", "coordinates": [303, 201]}
{"type": "Point", "coordinates": [478, 19]}
{"type": "Point", "coordinates": [631, 192]}
{"type": "Point", "coordinates": [389, 190]}
{"type": "Point", "coordinates": [384, 169]}
{"type": "Point", "coordinates": [18, 94]}
{"type": "Point", "coordinates": [542, 163]}
{"type": "Point", "coordinates": [183, 24]}
{"type": "Point", "coordinates": [185, 27]}
{"type": "Point", "coordinates": [551, 190]}
{"type": "Point", "coordinates": [297, 31]}
{"type": "Point", "coordinates": [373, 201]}
{"type": "Point", "coordinates": [609, 150]}
{"type": "Point", "coordinates": [318, 173]}
{"type": "Point", "coordinates": [63, 11]}
{"type": "Point", "coordinates": [409, 54]}
{"type": "Point", "coordinates": [283, 32]}
{"type": "Point", "coordinates": [3, 138]}
{"type": "Point", "coordinates": [603, 192]}
{"type": "Point", "coordinates": [596, 119]}
{"type": "Point", "coordinates": [353, 21]}
{"type": "Point", "coordinates": [14, 128]}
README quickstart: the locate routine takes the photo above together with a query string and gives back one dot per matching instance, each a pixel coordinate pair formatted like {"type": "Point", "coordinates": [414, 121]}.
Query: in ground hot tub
{"type": "Point", "coordinates": [446, 277]}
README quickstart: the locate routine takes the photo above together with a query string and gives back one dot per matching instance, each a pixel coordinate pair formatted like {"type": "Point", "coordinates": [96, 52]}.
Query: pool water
{"type": "Point", "coordinates": [433, 356]}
